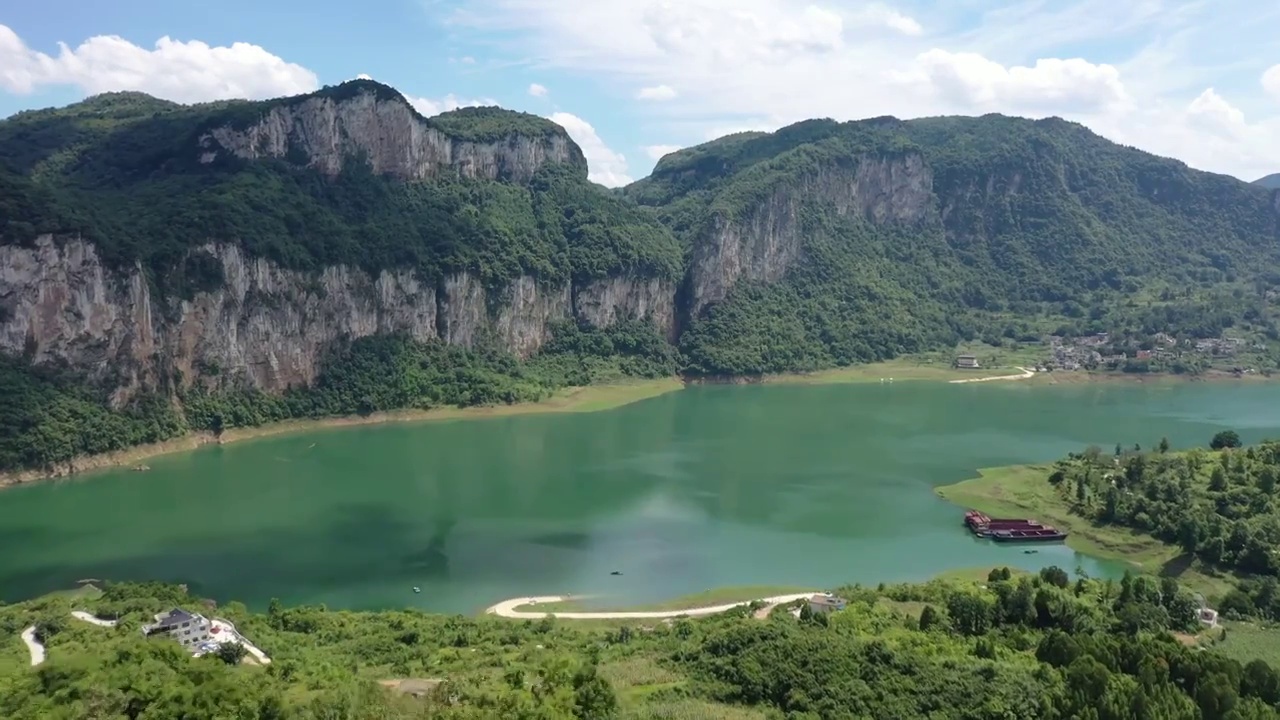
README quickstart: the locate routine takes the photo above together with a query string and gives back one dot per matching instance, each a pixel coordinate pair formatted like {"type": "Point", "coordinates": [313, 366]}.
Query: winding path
{"type": "Point", "coordinates": [82, 615]}
{"type": "Point", "coordinates": [1025, 374]}
{"type": "Point", "coordinates": [507, 609]}
{"type": "Point", "coordinates": [33, 645]}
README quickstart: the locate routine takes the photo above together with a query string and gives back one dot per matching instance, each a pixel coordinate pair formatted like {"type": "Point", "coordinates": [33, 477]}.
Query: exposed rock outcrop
{"type": "Point", "coordinates": [763, 241]}
{"type": "Point", "coordinates": [389, 135]}
{"type": "Point", "coordinates": [267, 327]}
{"type": "Point", "coordinates": [601, 303]}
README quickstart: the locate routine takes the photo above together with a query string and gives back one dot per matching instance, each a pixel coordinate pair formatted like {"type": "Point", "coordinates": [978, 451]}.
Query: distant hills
{"type": "Point", "coordinates": [1271, 181]}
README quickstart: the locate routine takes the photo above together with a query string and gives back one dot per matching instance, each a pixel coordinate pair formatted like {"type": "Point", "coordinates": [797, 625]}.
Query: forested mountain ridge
{"type": "Point", "coordinates": [1271, 181]}
{"type": "Point", "coordinates": [338, 252]}
{"type": "Point", "coordinates": [891, 236]}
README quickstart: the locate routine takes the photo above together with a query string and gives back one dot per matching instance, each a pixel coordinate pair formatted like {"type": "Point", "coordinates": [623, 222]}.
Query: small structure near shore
{"type": "Point", "coordinates": [826, 602]}
{"type": "Point", "coordinates": [967, 362]}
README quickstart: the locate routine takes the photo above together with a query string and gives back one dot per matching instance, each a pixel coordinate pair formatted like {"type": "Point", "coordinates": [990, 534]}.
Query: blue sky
{"type": "Point", "coordinates": [631, 79]}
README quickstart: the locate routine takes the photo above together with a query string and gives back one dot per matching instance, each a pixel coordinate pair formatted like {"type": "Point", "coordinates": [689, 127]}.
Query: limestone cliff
{"type": "Point", "coordinates": [267, 327]}
{"type": "Point", "coordinates": [326, 132]}
{"type": "Point", "coordinates": [762, 241]}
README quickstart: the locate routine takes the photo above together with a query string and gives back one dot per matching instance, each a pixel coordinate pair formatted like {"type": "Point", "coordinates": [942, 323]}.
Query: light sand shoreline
{"type": "Point", "coordinates": [1022, 376]}
{"type": "Point", "coordinates": [508, 609]}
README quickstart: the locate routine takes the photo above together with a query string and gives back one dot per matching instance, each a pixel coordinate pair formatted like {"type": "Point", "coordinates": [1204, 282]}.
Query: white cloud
{"type": "Point", "coordinates": [1130, 71]}
{"type": "Point", "coordinates": [604, 165]}
{"type": "Point", "coordinates": [175, 70]}
{"type": "Point", "coordinates": [1051, 85]}
{"type": "Point", "coordinates": [429, 106]}
{"type": "Point", "coordinates": [656, 152]}
{"type": "Point", "coordinates": [882, 15]}
{"type": "Point", "coordinates": [657, 92]}
{"type": "Point", "coordinates": [1271, 81]}
{"type": "Point", "coordinates": [364, 76]}
{"type": "Point", "coordinates": [537, 90]}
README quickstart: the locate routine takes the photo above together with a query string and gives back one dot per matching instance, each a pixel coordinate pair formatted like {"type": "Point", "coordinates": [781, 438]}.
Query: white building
{"type": "Point", "coordinates": [187, 628]}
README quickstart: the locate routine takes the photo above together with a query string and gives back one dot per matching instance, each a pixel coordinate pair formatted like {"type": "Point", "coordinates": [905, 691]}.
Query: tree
{"type": "Point", "coordinates": [593, 697]}
{"type": "Point", "coordinates": [1164, 445]}
{"type": "Point", "coordinates": [231, 653]}
{"type": "Point", "coordinates": [1224, 440]}
{"type": "Point", "coordinates": [929, 618]}
{"type": "Point", "coordinates": [1055, 575]}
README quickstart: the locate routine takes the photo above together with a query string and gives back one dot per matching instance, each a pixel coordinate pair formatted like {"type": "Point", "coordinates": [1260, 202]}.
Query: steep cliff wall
{"type": "Point", "coordinates": [389, 134]}
{"type": "Point", "coordinates": [762, 241]}
{"type": "Point", "coordinates": [268, 327]}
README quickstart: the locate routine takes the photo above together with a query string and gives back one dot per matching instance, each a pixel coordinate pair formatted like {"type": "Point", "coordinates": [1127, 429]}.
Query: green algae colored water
{"type": "Point", "coordinates": [706, 487]}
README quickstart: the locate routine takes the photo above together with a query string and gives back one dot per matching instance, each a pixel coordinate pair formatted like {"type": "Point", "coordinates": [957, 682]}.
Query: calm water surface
{"type": "Point", "coordinates": [711, 486]}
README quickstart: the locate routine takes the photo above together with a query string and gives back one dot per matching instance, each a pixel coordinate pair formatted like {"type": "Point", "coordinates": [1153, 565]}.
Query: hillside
{"type": "Point", "coordinates": [168, 268]}
{"type": "Point", "coordinates": [1040, 647]}
{"type": "Point", "coordinates": [1271, 181]}
{"type": "Point", "coordinates": [830, 243]}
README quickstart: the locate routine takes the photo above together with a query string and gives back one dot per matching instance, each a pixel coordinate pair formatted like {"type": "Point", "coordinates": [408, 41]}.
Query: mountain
{"type": "Point", "coordinates": [828, 243]}
{"type": "Point", "coordinates": [347, 210]}
{"type": "Point", "coordinates": [165, 268]}
{"type": "Point", "coordinates": [1271, 181]}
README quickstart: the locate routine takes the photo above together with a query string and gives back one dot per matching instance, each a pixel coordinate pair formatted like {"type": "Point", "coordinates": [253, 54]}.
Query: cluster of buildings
{"type": "Point", "coordinates": [1092, 351]}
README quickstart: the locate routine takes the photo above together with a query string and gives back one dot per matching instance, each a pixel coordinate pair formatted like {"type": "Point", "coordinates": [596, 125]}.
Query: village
{"type": "Point", "coordinates": [1161, 352]}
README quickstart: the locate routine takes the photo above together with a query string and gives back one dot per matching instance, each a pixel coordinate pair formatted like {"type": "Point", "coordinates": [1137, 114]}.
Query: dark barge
{"type": "Point", "coordinates": [1011, 529]}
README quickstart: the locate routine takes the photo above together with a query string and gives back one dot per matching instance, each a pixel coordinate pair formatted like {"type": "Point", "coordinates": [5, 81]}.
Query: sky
{"type": "Point", "coordinates": [632, 80]}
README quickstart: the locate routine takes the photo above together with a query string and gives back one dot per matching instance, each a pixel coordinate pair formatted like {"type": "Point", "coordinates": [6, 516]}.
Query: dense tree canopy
{"type": "Point", "coordinates": [1018, 646]}
{"type": "Point", "coordinates": [1220, 507]}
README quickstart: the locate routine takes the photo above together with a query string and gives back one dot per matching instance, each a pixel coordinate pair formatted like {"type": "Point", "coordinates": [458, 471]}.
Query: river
{"type": "Point", "coordinates": [710, 486]}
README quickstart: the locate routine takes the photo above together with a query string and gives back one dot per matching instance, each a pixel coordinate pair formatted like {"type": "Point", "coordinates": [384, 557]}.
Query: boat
{"type": "Point", "coordinates": [417, 589]}
{"type": "Point", "coordinates": [616, 572]}
{"type": "Point", "coordinates": [1046, 534]}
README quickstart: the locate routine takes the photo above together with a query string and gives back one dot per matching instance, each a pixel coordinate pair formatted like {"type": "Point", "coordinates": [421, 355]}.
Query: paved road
{"type": "Point", "coordinates": [33, 645]}
{"type": "Point", "coordinates": [507, 609]}
{"type": "Point", "coordinates": [1025, 374]}
{"type": "Point", "coordinates": [226, 628]}
{"type": "Point", "coordinates": [82, 615]}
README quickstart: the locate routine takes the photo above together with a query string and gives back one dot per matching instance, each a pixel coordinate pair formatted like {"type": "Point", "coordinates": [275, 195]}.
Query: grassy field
{"type": "Point", "coordinates": [1245, 641]}
{"type": "Point", "coordinates": [1024, 491]}
{"type": "Point", "coordinates": [707, 598]}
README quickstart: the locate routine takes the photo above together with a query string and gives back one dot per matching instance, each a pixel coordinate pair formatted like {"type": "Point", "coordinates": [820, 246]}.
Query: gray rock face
{"type": "Point", "coordinates": [764, 242]}
{"type": "Point", "coordinates": [267, 327]}
{"type": "Point", "coordinates": [392, 138]}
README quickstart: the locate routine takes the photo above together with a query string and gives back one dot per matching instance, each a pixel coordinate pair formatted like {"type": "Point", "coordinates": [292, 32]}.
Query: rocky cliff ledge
{"type": "Point", "coordinates": [369, 125]}
{"type": "Point", "coordinates": [761, 242]}
{"type": "Point", "coordinates": [267, 326]}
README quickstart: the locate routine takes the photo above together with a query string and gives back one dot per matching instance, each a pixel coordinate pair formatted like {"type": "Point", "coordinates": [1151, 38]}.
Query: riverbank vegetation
{"type": "Point", "coordinates": [1209, 516]}
{"type": "Point", "coordinates": [1039, 646]}
{"type": "Point", "coordinates": [52, 416]}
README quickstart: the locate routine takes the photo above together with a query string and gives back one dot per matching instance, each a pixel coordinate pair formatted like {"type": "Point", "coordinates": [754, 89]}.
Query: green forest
{"type": "Point", "coordinates": [1220, 506]}
{"type": "Point", "coordinates": [1028, 228]}
{"type": "Point", "coordinates": [1040, 647]}
{"type": "Point", "coordinates": [1035, 227]}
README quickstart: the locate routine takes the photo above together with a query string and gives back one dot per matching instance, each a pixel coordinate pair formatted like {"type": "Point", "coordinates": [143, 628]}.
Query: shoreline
{"type": "Point", "coordinates": [592, 398]}
{"type": "Point", "coordinates": [1024, 491]}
